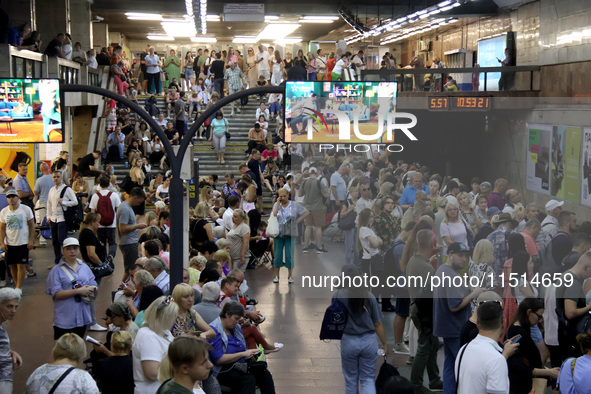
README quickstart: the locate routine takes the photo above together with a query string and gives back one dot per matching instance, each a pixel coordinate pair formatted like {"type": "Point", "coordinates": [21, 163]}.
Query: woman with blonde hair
{"type": "Point", "coordinates": [68, 351]}
{"type": "Point", "coordinates": [453, 229]}
{"type": "Point", "coordinates": [114, 374]}
{"type": "Point", "coordinates": [206, 195]}
{"type": "Point", "coordinates": [151, 219]}
{"type": "Point", "coordinates": [468, 213]}
{"type": "Point", "coordinates": [188, 322]}
{"type": "Point", "coordinates": [223, 257]}
{"type": "Point", "coordinates": [481, 266]}
{"type": "Point", "coordinates": [151, 344]}
{"type": "Point", "coordinates": [201, 229]}
{"type": "Point", "coordinates": [519, 215]}
{"type": "Point", "coordinates": [433, 193]}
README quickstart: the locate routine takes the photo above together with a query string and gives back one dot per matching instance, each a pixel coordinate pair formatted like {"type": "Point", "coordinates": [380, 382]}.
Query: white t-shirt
{"type": "Point", "coordinates": [358, 61]}
{"type": "Point", "coordinates": [17, 226]}
{"type": "Point", "coordinates": [227, 219]}
{"type": "Point", "coordinates": [148, 346]}
{"type": "Point", "coordinates": [162, 124]}
{"type": "Point", "coordinates": [264, 65]}
{"type": "Point", "coordinates": [115, 202]}
{"type": "Point", "coordinates": [338, 68]}
{"type": "Point", "coordinates": [161, 189]}
{"type": "Point", "coordinates": [368, 250]}
{"type": "Point", "coordinates": [483, 368]}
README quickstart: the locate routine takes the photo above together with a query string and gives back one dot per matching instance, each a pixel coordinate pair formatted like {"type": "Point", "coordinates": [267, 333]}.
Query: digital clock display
{"type": "Point", "coordinates": [438, 103]}
{"type": "Point", "coordinates": [476, 103]}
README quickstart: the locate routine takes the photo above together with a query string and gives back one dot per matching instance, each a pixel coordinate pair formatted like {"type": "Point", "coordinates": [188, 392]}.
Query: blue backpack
{"type": "Point", "coordinates": [335, 319]}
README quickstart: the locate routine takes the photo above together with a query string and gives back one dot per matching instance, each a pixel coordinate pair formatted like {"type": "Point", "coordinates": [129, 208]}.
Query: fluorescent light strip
{"type": "Point", "coordinates": [277, 31]}
{"type": "Point", "coordinates": [204, 40]}
{"type": "Point", "coordinates": [271, 18]}
{"type": "Point", "coordinates": [179, 29]}
{"type": "Point", "coordinates": [159, 38]}
{"type": "Point", "coordinates": [316, 21]}
{"type": "Point", "coordinates": [139, 16]}
{"type": "Point", "coordinates": [245, 40]}
{"type": "Point", "coordinates": [312, 17]}
{"type": "Point", "coordinates": [213, 18]}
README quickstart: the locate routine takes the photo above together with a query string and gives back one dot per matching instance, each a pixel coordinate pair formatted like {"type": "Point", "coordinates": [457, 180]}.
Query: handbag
{"type": "Point", "coordinates": [228, 135]}
{"type": "Point", "coordinates": [183, 75]}
{"type": "Point", "coordinates": [347, 222]}
{"type": "Point", "coordinates": [256, 367]}
{"type": "Point", "coordinates": [272, 226]}
{"type": "Point", "coordinates": [106, 268]}
{"type": "Point", "coordinates": [290, 228]}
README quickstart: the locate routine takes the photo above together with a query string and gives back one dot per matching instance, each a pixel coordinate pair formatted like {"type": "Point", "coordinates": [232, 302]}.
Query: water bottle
{"type": "Point", "coordinates": [381, 352]}
{"type": "Point", "coordinates": [126, 164]}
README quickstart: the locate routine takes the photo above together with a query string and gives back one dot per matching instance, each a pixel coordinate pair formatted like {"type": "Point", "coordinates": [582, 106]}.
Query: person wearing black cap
{"type": "Point", "coordinates": [17, 235]}
{"type": "Point", "coordinates": [451, 308]}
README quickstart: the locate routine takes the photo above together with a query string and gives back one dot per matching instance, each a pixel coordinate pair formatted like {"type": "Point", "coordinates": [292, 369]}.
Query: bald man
{"type": "Point", "coordinates": [41, 190]}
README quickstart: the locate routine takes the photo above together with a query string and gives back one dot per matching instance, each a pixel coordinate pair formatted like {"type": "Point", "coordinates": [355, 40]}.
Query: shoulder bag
{"type": "Point", "coordinates": [72, 215]}
{"type": "Point", "coordinates": [56, 384]}
{"type": "Point", "coordinates": [106, 268]}
{"type": "Point", "coordinates": [290, 227]}
{"type": "Point", "coordinates": [86, 299]}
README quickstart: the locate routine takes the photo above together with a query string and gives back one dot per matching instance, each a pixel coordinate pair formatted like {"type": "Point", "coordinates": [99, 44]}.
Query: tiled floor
{"type": "Point", "coordinates": [294, 314]}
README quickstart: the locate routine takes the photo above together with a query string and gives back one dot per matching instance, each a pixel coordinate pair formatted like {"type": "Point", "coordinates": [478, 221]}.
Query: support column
{"type": "Point", "coordinates": [81, 15]}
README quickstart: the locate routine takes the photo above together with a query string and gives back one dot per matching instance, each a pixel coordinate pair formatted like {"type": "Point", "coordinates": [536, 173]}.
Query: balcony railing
{"type": "Point", "coordinates": [481, 79]}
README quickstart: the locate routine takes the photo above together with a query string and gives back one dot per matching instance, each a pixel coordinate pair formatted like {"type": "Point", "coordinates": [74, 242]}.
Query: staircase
{"type": "Point", "coordinates": [240, 123]}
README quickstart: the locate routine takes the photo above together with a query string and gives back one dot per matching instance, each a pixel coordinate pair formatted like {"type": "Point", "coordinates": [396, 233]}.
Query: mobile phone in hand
{"type": "Point", "coordinates": [517, 339]}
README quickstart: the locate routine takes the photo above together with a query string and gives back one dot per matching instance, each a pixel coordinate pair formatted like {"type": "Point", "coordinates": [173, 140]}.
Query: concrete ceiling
{"type": "Point", "coordinates": [368, 11]}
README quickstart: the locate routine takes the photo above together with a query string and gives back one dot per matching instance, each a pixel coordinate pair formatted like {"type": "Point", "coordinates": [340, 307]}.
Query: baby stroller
{"type": "Point", "coordinates": [259, 254]}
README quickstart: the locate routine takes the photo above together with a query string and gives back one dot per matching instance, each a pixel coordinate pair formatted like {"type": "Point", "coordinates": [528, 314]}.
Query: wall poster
{"type": "Point", "coordinates": [538, 158]}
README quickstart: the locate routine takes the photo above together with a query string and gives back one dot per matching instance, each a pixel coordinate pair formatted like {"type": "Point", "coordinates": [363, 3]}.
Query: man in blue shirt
{"type": "Point", "coordinates": [408, 195]}
{"type": "Point", "coordinates": [451, 309]}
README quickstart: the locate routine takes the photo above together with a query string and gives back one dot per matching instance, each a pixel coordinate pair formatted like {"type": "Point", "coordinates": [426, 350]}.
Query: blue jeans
{"type": "Point", "coordinates": [59, 232]}
{"type": "Point", "coordinates": [451, 347]}
{"type": "Point", "coordinates": [287, 243]}
{"type": "Point", "coordinates": [358, 361]}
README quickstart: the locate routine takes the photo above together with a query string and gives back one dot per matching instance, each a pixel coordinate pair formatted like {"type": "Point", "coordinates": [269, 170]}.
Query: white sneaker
{"type": "Point", "coordinates": [401, 348]}
{"type": "Point", "coordinates": [238, 109]}
{"type": "Point", "coordinates": [278, 345]}
{"type": "Point", "coordinates": [231, 114]}
{"type": "Point", "coordinates": [290, 281]}
{"type": "Point", "coordinates": [2, 283]}
{"type": "Point", "coordinates": [276, 280]}
{"type": "Point", "coordinates": [97, 327]}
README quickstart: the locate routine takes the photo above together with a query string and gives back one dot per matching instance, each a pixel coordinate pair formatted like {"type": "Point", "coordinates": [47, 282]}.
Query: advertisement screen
{"type": "Point", "coordinates": [490, 51]}
{"type": "Point", "coordinates": [30, 111]}
{"type": "Point", "coordinates": [340, 112]}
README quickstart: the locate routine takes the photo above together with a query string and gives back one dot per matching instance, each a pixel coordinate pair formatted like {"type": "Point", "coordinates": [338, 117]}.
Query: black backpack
{"type": "Point", "coordinates": [73, 215]}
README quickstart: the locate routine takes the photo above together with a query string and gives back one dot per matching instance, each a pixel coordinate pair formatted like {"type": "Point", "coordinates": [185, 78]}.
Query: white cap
{"type": "Point", "coordinates": [70, 242]}
{"type": "Point", "coordinates": [553, 204]}
{"type": "Point", "coordinates": [313, 169]}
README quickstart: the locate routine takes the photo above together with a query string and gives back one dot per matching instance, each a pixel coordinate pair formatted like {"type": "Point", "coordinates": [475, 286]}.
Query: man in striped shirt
{"type": "Point", "coordinates": [234, 76]}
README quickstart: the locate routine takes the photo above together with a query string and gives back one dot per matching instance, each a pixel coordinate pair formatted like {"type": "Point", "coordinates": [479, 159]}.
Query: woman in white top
{"type": "Point", "coordinates": [151, 344]}
{"type": "Point", "coordinates": [367, 240]}
{"type": "Point", "coordinates": [453, 228]}
{"type": "Point", "coordinates": [278, 70]}
{"type": "Point", "coordinates": [239, 236]}
{"type": "Point", "coordinates": [68, 351]}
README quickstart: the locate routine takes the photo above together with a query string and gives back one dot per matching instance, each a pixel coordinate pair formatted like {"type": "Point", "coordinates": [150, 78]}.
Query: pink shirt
{"type": "Point", "coordinates": [530, 244]}
{"type": "Point", "coordinates": [266, 154]}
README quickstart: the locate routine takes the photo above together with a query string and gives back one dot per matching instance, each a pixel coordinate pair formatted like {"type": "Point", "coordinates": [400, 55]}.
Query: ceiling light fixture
{"type": "Point", "coordinates": [179, 28]}
{"type": "Point", "coordinates": [141, 16]}
{"type": "Point", "coordinates": [269, 18]}
{"type": "Point", "coordinates": [288, 41]}
{"type": "Point", "coordinates": [316, 21]}
{"type": "Point", "coordinates": [312, 17]}
{"type": "Point", "coordinates": [156, 37]}
{"type": "Point", "coordinates": [245, 40]}
{"type": "Point", "coordinates": [204, 40]}
{"type": "Point", "coordinates": [277, 31]}
{"type": "Point", "coordinates": [213, 18]}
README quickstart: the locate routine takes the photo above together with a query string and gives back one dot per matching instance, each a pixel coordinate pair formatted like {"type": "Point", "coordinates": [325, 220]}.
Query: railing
{"type": "Point", "coordinates": [67, 71]}
{"type": "Point", "coordinates": [483, 79]}
{"type": "Point", "coordinates": [21, 64]}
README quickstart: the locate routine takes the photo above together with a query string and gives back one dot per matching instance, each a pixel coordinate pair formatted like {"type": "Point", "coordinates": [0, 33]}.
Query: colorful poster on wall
{"type": "Point", "coordinates": [538, 158]}
{"type": "Point", "coordinates": [11, 155]}
{"type": "Point", "coordinates": [586, 168]}
{"type": "Point", "coordinates": [564, 181]}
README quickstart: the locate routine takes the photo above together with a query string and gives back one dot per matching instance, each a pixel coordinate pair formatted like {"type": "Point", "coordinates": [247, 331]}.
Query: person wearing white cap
{"type": "Point", "coordinates": [17, 235]}
{"type": "Point", "coordinates": [72, 286]}
{"type": "Point", "coordinates": [550, 223]}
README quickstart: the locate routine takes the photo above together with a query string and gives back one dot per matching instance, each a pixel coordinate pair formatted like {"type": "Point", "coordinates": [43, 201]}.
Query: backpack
{"type": "Point", "coordinates": [547, 263]}
{"type": "Point", "coordinates": [334, 321]}
{"type": "Point", "coordinates": [104, 207]}
{"type": "Point", "coordinates": [72, 215]}
{"type": "Point", "coordinates": [319, 184]}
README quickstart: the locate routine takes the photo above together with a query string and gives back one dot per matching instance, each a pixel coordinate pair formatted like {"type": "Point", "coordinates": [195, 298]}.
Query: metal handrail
{"type": "Point", "coordinates": [17, 63]}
